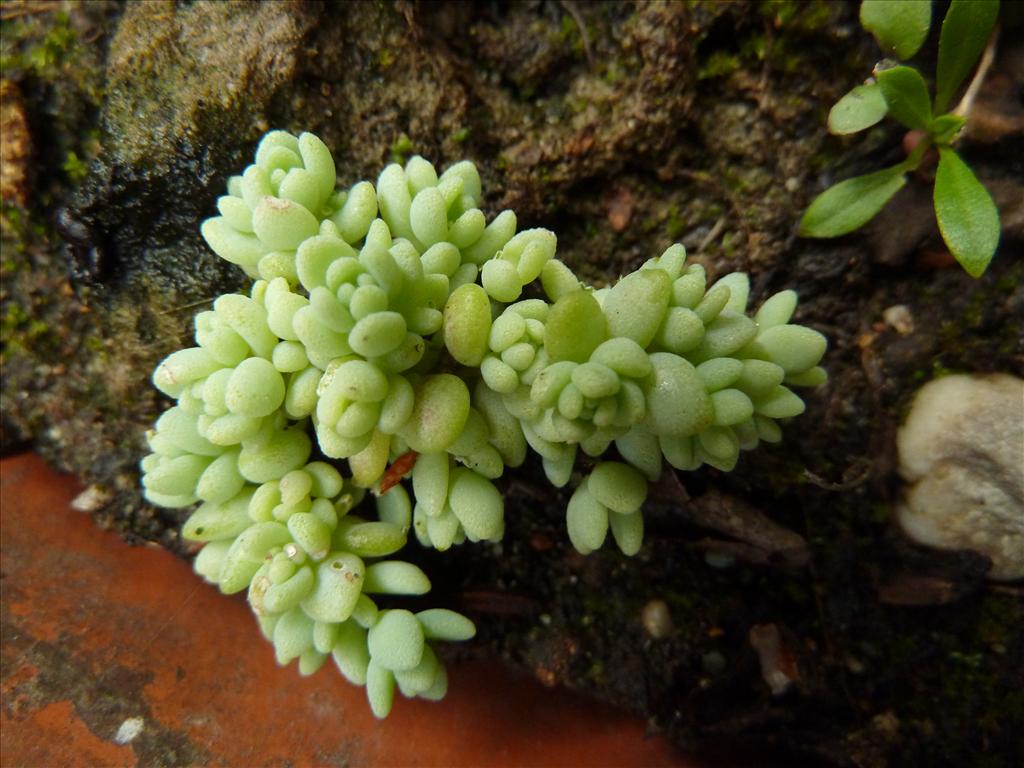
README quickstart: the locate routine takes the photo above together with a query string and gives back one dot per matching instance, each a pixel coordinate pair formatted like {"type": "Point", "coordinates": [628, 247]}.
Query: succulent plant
{"type": "Point", "coordinates": [392, 327]}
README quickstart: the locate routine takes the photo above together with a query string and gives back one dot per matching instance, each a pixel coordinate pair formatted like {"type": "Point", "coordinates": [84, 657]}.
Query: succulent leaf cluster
{"type": "Point", "coordinates": [391, 331]}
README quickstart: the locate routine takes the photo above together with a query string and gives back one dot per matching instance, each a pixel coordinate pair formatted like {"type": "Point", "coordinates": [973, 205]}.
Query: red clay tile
{"type": "Point", "coordinates": [97, 634]}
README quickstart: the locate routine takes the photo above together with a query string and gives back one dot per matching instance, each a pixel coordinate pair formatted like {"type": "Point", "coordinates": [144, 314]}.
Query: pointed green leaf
{"type": "Point", "coordinates": [944, 128]}
{"type": "Point", "coordinates": [899, 26]}
{"type": "Point", "coordinates": [859, 109]}
{"type": "Point", "coordinates": [965, 32]}
{"type": "Point", "coordinates": [907, 96]}
{"type": "Point", "coordinates": [851, 203]}
{"type": "Point", "coordinates": [968, 219]}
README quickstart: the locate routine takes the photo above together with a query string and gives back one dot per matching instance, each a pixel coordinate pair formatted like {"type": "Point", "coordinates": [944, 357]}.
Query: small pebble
{"type": "Point", "coordinates": [778, 665]}
{"type": "Point", "coordinates": [656, 619]}
{"type": "Point", "coordinates": [898, 318]}
{"type": "Point", "coordinates": [91, 499]}
{"type": "Point", "coordinates": [129, 730]}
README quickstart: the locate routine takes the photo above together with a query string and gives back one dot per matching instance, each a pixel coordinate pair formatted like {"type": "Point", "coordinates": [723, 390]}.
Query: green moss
{"type": "Point", "coordinates": [74, 167]}
{"type": "Point", "coordinates": [569, 34]}
{"type": "Point", "coordinates": [614, 72]}
{"type": "Point", "coordinates": [718, 64]}
{"type": "Point", "coordinates": [568, 28]}
{"type": "Point", "coordinates": [385, 58]}
{"type": "Point", "coordinates": [674, 224]}
{"type": "Point", "coordinates": [731, 242]}
{"type": "Point", "coordinates": [61, 76]}
{"type": "Point", "coordinates": [30, 46]}
{"type": "Point", "coordinates": [798, 16]}
{"type": "Point", "coordinates": [959, 656]}
{"type": "Point", "coordinates": [578, 106]}
{"type": "Point", "coordinates": [973, 661]}
{"type": "Point", "coordinates": [755, 48]}
{"type": "Point", "coordinates": [400, 148]}
{"type": "Point", "coordinates": [596, 673]}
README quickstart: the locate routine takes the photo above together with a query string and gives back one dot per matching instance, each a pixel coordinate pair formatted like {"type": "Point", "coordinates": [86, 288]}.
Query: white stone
{"type": "Point", "coordinates": [961, 451]}
{"type": "Point", "coordinates": [899, 318]}
{"type": "Point", "coordinates": [129, 730]}
{"type": "Point", "coordinates": [91, 499]}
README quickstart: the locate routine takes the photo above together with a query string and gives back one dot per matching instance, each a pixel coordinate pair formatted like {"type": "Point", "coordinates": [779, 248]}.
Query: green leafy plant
{"type": "Point", "coordinates": [392, 331]}
{"type": "Point", "coordinates": [967, 217]}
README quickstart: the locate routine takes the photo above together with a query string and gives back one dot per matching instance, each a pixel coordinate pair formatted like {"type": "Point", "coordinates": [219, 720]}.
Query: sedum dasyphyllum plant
{"type": "Point", "coordinates": [967, 217]}
{"type": "Point", "coordinates": [391, 330]}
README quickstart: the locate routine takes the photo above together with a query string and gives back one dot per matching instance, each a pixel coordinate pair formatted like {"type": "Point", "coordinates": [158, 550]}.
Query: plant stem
{"type": "Point", "coordinates": [963, 109]}
{"type": "Point", "coordinates": [914, 158]}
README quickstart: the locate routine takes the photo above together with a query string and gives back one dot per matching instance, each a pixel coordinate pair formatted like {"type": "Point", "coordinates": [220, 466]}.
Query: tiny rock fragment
{"type": "Point", "coordinates": [898, 318]}
{"type": "Point", "coordinates": [91, 499]}
{"type": "Point", "coordinates": [778, 664]}
{"type": "Point", "coordinates": [620, 208]}
{"type": "Point", "coordinates": [129, 730]}
{"type": "Point", "coordinates": [580, 144]}
{"type": "Point", "coordinates": [657, 619]}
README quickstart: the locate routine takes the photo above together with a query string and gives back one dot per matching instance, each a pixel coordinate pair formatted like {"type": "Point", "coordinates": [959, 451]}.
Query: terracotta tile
{"type": "Point", "coordinates": [119, 655]}
{"type": "Point", "coordinates": [55, 735]}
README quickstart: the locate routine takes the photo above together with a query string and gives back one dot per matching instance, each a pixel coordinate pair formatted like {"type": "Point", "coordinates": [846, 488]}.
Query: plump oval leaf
{"type": "Point", "coordinates": [965, 32]}
{"type": "Point", "coordinates": [859, 109]}
{"type": "Point", "coordinates": [968, 219]}
{"type": "Point", "coordinates": [899, 26]}
{"type": "Point", "coordinates": [851, 203]}
{"type": "Point", "coordinates": [906, 95]}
